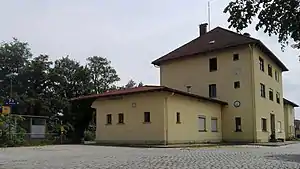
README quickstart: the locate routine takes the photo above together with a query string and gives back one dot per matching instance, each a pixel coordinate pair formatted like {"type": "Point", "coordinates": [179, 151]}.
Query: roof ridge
{"type": "Point", "coordinates": [235, 33]}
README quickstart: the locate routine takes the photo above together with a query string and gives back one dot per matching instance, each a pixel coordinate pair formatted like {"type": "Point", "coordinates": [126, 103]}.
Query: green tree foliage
{"type": "Point", "coordinates": [275, 17]}
{"type": "Point", "coordinates": [11, 134]}
{"type": "Point", "coordinates": [131, 84]}
{"type": "Point", "coordinates": [102, 74]}
{"type": "Point", "coordinates": [43, 87]}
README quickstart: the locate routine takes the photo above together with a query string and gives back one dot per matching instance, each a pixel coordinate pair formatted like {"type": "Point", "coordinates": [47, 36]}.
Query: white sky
{"type": "Point", "coordinates": [130, 33]}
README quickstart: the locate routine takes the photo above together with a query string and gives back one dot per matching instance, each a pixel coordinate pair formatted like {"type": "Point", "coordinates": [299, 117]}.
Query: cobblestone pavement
{"type": "Point", "coordinates": [97, 157]}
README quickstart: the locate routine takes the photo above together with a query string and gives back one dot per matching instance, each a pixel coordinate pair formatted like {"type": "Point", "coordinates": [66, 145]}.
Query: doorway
{"type": "Point", "coordinates": [273, 130]}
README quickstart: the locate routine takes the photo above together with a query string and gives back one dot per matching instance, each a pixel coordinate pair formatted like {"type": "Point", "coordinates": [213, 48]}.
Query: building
{"type": "Point", "coordinates": [289, 119]}
{"type": "Point", "coordinates": [157, 115]}
{"type": "Point", "coordinates": [297, 128]}
{"type": "Point", "coordinates": [219, 65]}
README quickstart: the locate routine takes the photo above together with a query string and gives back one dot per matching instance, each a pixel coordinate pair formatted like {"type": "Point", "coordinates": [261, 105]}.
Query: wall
{"type": "Point", "coordinates": [187, 130]}
{"type": "Point", "coordinates": [264, 106]}
{"type": "Point", "coordinates": [134, 131]}
{"type": "Point", "coordinates": [195, 72]}
{"type": "Point", "coordinates": [289, 117]}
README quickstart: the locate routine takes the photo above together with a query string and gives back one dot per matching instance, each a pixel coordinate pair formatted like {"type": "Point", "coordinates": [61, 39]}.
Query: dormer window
{"type": "Point", "coordinates": [212, 42]}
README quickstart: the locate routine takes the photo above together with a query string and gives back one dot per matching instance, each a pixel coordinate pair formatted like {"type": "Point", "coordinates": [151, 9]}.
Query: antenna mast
{"type": "Point", "coordinates": [208, 10]}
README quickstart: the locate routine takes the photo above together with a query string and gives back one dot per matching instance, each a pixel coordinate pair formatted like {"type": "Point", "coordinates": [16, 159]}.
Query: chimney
{"type": "Point", "coordinates": [203, 29]}
{"type": "Point", "coordinates": [188, 89]}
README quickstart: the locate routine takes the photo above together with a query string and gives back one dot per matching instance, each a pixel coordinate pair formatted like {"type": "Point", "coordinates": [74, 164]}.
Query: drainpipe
{"type": "Point", "coordinates": [166, 118]}
{"type": "Point", "coordinates": [253, 93]}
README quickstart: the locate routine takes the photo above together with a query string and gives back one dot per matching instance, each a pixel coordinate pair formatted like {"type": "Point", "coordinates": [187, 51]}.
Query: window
{"type": "Point", "coordinates": [264, 124]}
{"type": "Point", "coordinates": [214, 124]}
{"type": "Point", "coordinates": [276, 76]}
{"type": "Point", "coordinates": [236, 57]}
{"type": "Point", "coordinates": [278, 97]}
{"type": "Point", "coordinates": [261, 64]}
{"type": "Point", "coordinates": [212, 90]}
{"type": "Point", "coordinates": [108, 119]}
{"type": "Point", "coordinates": [279, 126]}
{"type": "Point", "coordinates": [271, 94]}
{"type": "Point", "coordinates": [238, 124]}
{"type": "Point", "coordinates": [237, 84]}
{"type": "Point", "coordinates": [147, 117]}
{"type": "Point", "coordinates": [262, 90]}
{"type": "Point", "coordinates": [213, 65]}
{"type": "Point", "coordinates": [121, 118]}
{"type": "Point", "coordinates": [178, 118]}
{"type": "Point", "coordinates": [36, 121]}
{"type": "Point", "coordinates": [270, 71]}
{"type": "Point", "coordinates": [202, 123]}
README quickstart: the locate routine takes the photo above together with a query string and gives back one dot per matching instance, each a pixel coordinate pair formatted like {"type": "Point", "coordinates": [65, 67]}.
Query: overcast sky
{"type": "Point", "coordinates": [129, 33]}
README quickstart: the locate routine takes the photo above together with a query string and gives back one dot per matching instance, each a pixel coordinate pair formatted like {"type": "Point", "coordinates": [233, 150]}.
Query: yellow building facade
{"type": "Point", "coordinates": [221, 86]}
{"type": "Point", "coordinates": [157, 117]}
{"type": "Point", "coordinates": [289, 118]}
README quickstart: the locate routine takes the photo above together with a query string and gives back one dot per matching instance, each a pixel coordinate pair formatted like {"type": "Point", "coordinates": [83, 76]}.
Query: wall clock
{"type": "Point", "coordinates": [236, 103]}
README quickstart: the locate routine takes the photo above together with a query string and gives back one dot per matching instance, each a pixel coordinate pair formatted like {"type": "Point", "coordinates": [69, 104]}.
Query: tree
{"type": "Point", "coordinates": [130, 84]}
{"type": "Point", "coordinates": [103, 75]}
{"type": "Point", "coordinates": [279, 17]}
{"type": "Point", "coordinates": [14, 56]}
{"type": "Point", "coordinates": [140, 84]}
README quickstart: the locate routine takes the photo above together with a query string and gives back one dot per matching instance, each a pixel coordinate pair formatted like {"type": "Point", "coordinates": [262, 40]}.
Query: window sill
{"type": "Point", "coordinates": [265, 131]}
{"type": "Point", "coordinates": [120, 123]}
{"type": "Point", "coordinates": [178, 122]}
{"type": "Point", "coordinates": [238, 131]}
{"type": "Point", "coordinates": [202, 130]}
{"type": "Point", "coordinates": [146, 122]}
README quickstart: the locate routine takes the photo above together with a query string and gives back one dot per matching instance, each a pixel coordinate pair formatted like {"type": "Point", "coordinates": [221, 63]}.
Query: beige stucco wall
{"type": "Point", "coordinates": [264, 106]}
{"type": "Point", "coordinates": [134, 131]}
{"type": "Point", "coordinates": [187, 130]}
{"type": "Point", "coordinates": [289, 118]}
{"type": "Point", "coordinates": [195, 72]}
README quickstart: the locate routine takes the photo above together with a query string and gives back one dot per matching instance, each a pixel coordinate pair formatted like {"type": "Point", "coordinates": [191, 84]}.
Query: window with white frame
{"type": "Point", "coordinates": [201, 123]}
{"type": "Point", "coordinates": [279, 126]}
{"type": "Point", "coordinates": [214, 124]}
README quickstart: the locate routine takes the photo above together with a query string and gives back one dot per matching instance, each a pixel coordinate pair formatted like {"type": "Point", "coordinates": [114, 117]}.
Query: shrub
{"type": "Point", "coordinates": [89, 135]}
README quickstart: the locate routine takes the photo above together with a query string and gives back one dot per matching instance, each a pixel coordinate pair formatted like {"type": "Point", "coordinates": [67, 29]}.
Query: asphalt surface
{"type": "Point", "coordinates": [98, 157]}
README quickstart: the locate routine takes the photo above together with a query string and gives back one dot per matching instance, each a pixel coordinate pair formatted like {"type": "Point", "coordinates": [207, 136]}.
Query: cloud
{"type": "Point", "coordinates": [129, 33]}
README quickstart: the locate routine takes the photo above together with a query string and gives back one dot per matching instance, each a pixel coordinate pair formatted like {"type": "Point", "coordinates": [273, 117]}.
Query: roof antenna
{"type": "Point", "coordinates": [208, 11]}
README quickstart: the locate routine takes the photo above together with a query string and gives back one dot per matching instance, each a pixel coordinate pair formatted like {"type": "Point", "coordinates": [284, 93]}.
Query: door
{"type": "Point", "coordinates": [273, 130]}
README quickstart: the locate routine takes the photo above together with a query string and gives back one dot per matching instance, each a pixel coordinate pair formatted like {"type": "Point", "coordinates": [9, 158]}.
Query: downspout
{"type": "Point", "coordinates": [166, 118]}
{"type": "Point", "coordinates": [253, 93]}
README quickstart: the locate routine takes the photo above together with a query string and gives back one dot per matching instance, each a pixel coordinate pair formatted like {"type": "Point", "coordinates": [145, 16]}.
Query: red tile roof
{"type": "Point", "coordinates": [221, 38]}
{"type": "Point", "coordinates": [144, 89]}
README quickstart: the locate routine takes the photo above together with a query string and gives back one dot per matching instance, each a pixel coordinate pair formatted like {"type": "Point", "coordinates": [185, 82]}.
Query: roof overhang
{"type": "Point", "coordinates": [286, 101]}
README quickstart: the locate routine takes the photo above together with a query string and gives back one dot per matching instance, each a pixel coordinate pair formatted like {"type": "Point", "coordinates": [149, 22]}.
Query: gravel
{"type": "Point", "coordinates": [99, 157]}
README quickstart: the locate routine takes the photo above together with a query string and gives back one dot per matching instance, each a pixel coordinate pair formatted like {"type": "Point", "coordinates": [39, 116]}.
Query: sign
{"type": "Point", "coordinates": [6, 110]}
{"type": "Point", "coordinates": [11, 101]}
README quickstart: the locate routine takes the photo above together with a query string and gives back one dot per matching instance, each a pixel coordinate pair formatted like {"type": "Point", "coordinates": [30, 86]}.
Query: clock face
{"type": "Point", "coordinates": [236, 103]}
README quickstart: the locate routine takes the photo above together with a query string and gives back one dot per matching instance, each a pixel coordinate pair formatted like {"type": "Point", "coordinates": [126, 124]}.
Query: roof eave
{"type": "Point", "coordinates": [279, 63]}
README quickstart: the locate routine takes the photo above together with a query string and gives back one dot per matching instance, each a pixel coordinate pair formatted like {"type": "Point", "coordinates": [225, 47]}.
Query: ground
{"type": "Point", "coordinates": [98, 157]}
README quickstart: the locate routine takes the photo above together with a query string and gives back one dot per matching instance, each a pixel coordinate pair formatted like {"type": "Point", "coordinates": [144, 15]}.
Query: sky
{"type": "Point", "coordinates": [131, 34]}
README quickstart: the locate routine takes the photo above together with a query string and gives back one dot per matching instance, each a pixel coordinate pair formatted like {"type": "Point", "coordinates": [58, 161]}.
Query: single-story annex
{"type": "Point", "coordinates": [156, 115]}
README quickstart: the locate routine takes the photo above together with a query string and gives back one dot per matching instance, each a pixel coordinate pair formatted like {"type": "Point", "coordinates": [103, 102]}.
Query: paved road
{"type": "Point", "coordinates": [97, 157]}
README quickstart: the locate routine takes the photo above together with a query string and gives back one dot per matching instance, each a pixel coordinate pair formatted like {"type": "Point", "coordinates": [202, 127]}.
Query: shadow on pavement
{"type": "Point", "coordinates": [285, 157]}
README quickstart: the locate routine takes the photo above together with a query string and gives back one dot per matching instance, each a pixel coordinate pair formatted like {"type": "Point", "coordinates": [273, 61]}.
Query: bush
{"type": "Point", "coordinates": [89, 135]}
{"type": "Point", "coordinates": [11, 134]}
